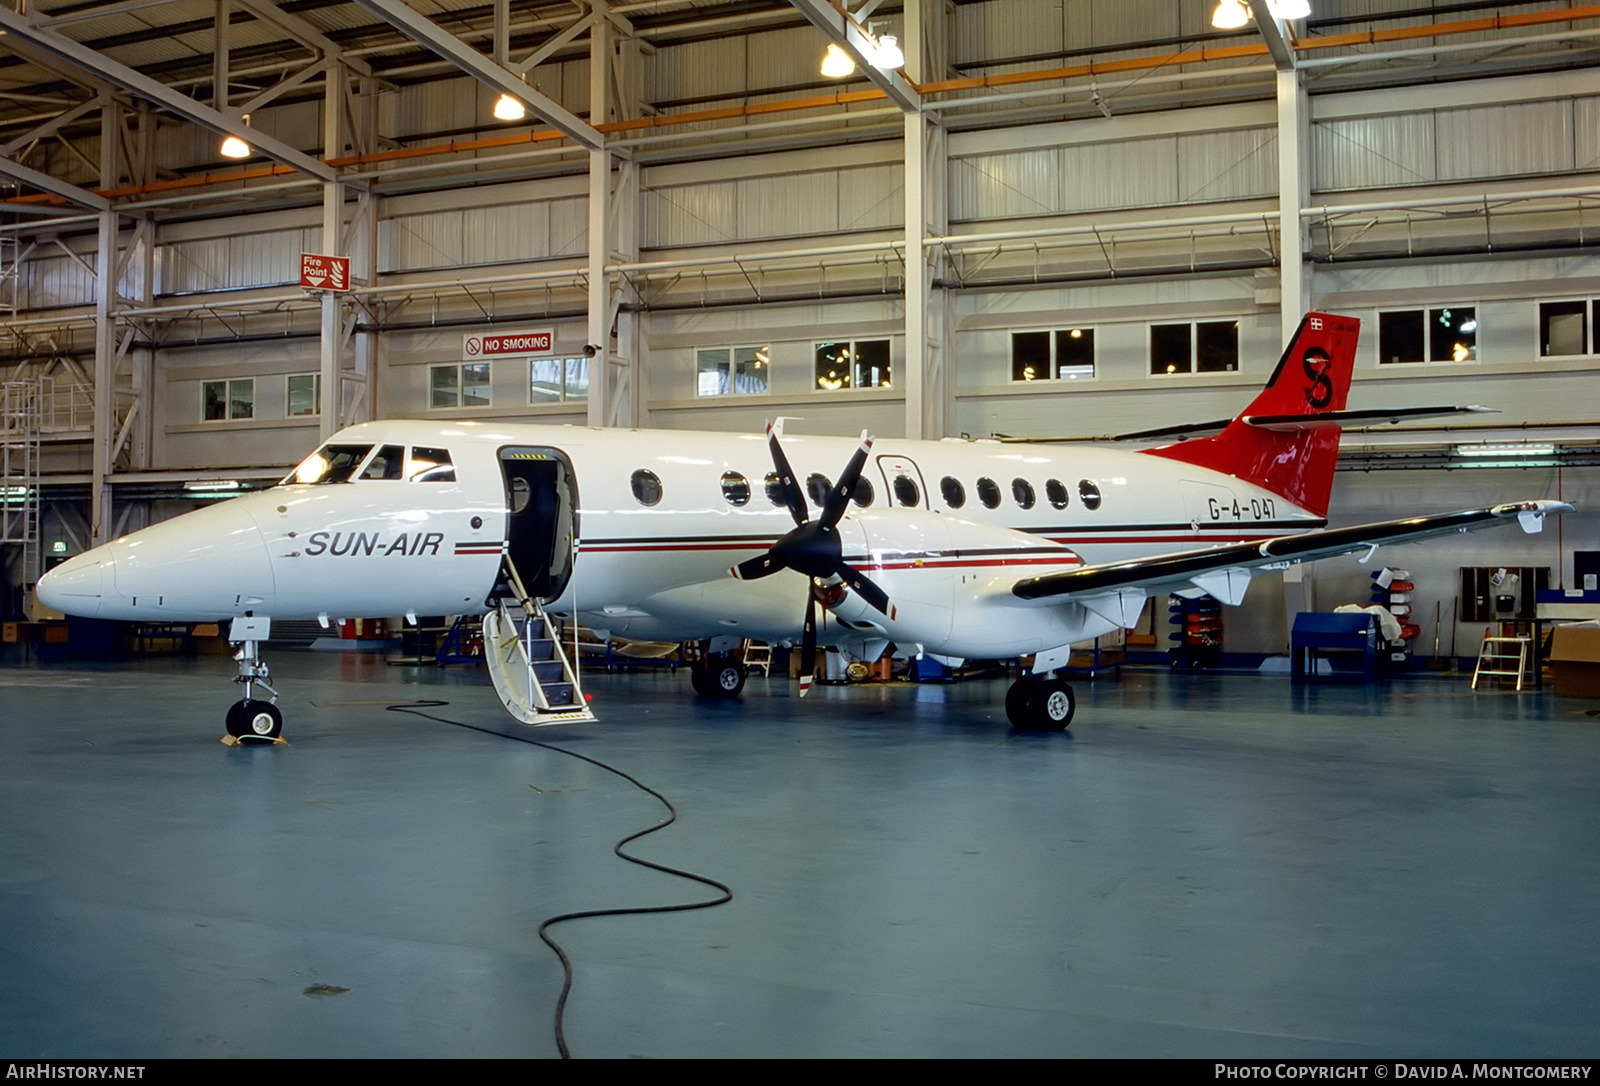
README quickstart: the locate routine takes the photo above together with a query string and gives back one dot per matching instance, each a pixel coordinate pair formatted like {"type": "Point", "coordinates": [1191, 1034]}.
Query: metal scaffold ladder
{"type": "Point", "coordinates": [21, 410]}
{"type": "Point", "coordinates": [532, 674]}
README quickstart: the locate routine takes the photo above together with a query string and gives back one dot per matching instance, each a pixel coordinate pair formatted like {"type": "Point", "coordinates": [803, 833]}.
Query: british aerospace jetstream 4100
{"type": "Point", "coordinates": [953, 549]}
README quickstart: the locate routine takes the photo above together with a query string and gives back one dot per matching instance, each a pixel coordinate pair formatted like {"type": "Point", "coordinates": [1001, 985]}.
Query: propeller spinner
{"type": "Point", "coordinates": [813, 547]}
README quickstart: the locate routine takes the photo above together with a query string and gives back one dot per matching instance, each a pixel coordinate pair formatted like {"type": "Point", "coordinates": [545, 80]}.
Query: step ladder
{"type": "Point", "coordinates": [532, 675]}
{"type": "Point", "coordinates": [1496, 654]}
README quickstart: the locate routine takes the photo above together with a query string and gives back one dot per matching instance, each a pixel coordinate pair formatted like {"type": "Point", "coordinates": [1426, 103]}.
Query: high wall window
{"type": "Point", "coordinates": [463, 385]}
{"type": "Point", "coordinates": [1065, 354]}
{"type": "Point", "coordinates": [303, 395]}
{"type": "Point", "coordinates": [1565, 328]}
{"type": "Point", "coordinates": [721, 371]}
{"type": "Point", "coordinates": [862, 363]}
{"type": "Point", "coordinates": [234, 399]}
{"type": "Point", "coordinates": [554, 380]}
{"type": "Point", "coordinates": [1198, 347]}
{"type": "Point", "coordinates": [1428, 335]}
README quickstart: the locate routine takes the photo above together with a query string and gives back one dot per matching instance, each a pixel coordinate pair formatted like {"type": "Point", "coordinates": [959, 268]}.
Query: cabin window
{"type": "Point", "coordinates": [864, 494]}
{"type": "Point", "coordinates": [1428, 335]}
{"type": "Point", "coordinates": [1198, 347]}
{"type": "Point", "coordinates": [303, 395]}
{"type": "Point", "coordinates": [1089, 495]}
{"type": "Point", "coordinates": [646, 487]}
{"type": "Point", "coordinates": [1564, 329]}
{"type": "Point", "coordinates": [225, 400]}
{"type": "Point", "coordinates": [431, 466]}
{"type": "Point", "coordinates": [818, 486]}
{"type": "Point", "coordinates": [1022, 493]}
{"type": "Point", "coordinates": [955, 495]}
{"type": "Point", "coordinates": [862, 363]}
{"type": "Point", "coordinates": [774, 484]}
{"type": "Point", "coordinates": [1056, 492]}
{"type": "Point", "coordinates": [735, 488]}
{"type": "Point", "coordinates": [554, 380]}
{"type": "Point", "coordinates": [989, 493]}
{"type": "Point", "coordinates": [330, 464]}
{"type": "Point", "coordinates": [389, 463]}
{"type": "Point", "coordinates": [462, 385]}
{"type": "Point", "coordinates": [723, 371]}
{"type": "Point", "coordinates": [906, 492]}
{"type": "Point", "coordinates": [1064, 354]}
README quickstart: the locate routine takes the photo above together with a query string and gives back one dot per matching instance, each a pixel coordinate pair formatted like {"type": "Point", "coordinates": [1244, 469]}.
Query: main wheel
{"type": "Point", "coordinates": [1054, 706]}
{"type": "Point", "coordinates": [254, 720]}
{"type": "Point", "coordinates": [727, 676]}
{"type": "Point", "coordinates": [697, 678]}
{"type": "Point", "coordinates": [1040, 705]}
{"type": "Point", "coordinates": [1018, 697]}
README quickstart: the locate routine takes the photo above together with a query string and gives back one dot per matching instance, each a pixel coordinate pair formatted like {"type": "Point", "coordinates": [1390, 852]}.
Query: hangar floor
{"type": "Point", "coordinates": [1206, 866]}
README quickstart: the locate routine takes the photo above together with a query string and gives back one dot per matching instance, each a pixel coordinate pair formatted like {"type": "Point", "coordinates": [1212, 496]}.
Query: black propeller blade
{"type": "Point", "coordinates": [813, 547]}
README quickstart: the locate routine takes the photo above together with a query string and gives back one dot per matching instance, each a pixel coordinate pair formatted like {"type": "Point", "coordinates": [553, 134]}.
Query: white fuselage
{"type": "Point", "coordinates": [377, 546]}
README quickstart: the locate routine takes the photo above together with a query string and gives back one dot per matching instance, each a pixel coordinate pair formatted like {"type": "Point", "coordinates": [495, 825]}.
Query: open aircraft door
{"type": "Point", "coordinates": [541, 518]}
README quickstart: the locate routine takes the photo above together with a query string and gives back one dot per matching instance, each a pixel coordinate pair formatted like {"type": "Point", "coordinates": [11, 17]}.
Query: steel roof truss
{"type": "Point", "coordinates": [93, 63]}
{"type": "Point", "coordinates": [425, 31]}
{"type": "Point", "coordinates": [845, 32]}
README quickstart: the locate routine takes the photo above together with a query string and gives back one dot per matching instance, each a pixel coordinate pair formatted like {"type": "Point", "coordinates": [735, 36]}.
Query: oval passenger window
{"type": "Point", "coordinates": [735, 488]}
{"type": "Point", "coordinates": [646, 487]}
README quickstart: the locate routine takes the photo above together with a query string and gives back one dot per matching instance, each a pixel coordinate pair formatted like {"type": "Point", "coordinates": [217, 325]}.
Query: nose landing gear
{"type": "Point", "coordinates": [250, 719]}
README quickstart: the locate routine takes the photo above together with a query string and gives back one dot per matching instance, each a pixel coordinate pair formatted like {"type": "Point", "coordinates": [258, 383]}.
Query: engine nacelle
{"type": "Point", "coordinates": [949, 580]}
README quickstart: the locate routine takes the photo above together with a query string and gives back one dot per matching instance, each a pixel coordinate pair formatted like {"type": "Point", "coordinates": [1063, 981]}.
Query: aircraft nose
{"type": "Point", "coordinates": [76, 586]}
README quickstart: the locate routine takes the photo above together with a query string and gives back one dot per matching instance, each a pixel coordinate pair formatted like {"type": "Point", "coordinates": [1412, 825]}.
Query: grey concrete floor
{"type": "Point", "coordinates": [1205, 866]}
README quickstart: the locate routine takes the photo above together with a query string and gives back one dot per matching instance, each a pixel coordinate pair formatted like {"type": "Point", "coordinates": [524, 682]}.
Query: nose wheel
{"type": "Point", "coordinates": [252, 719]}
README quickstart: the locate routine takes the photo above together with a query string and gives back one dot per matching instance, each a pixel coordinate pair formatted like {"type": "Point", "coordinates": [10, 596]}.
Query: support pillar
{"type": "Point", "coordinates": [332, 396]}
{"type": "Point", "coordinates": [1294, 280]}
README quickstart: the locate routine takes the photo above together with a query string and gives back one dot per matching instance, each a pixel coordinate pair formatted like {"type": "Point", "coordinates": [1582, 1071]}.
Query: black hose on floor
{"type": "Point", "coordinates": [414, 708]}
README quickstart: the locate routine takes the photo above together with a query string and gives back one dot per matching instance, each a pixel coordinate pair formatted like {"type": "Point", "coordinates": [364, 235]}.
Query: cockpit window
{"type": "Point", "coordinates": [389, 463]}
{"type": "Point", "coordinates": [330, 464]}
{"type": "Point", "coordinates": [431, 466]}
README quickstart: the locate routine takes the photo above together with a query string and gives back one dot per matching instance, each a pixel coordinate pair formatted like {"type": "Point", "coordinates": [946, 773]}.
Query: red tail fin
{"type": "Point", "coordinates": [1276, 442]}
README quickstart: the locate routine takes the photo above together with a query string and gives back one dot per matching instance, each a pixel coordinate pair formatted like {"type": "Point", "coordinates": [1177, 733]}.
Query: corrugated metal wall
{"type": "Point", "coordinates": [523, 230]}
{"type": "Point", "coordinates": [1502, 140]}
{"type": "Point", "coordinates": [783, 205]}
{"type": "Point", "coordinates": [1197, 167]}
{"type": "Point", "coordinates": [239, 260]}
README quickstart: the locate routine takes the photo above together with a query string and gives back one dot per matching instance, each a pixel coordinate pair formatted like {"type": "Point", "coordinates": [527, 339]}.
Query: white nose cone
{"type": "Point", "coordinates": [76, 585]}
{"type": "Point", "coordinates": [207, 565]}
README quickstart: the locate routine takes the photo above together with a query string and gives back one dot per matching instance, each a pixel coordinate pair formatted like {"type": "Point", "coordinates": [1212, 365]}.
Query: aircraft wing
{"type": "Point", "coordinates": [1117, 589]}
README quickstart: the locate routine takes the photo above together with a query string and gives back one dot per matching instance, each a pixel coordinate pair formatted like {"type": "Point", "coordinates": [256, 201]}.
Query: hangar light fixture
{"type": "Point", "coordinates": [1505, 450]}
{"type": "Point", "coordinates": [233, 146]}
{"type": "Point", "coordinates": [888, 57]}
{"type": "Point", "coordinates": [1230, 15]}
{"type": "Point", "coordinates": [507, 108]}
{"type": "Point", "coordinates": [836, 63]}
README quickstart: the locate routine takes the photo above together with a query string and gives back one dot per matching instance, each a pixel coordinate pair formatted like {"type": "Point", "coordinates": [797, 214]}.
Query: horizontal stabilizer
{"type": "Point", "coordinates": [1360, 418]}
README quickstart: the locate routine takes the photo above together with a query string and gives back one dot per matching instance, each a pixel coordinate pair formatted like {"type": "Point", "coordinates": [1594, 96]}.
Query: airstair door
{"type": "Point", "coordinates": [541, 521]}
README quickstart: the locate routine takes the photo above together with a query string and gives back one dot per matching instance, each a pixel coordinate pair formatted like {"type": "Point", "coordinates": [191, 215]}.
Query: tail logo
{"type": "Point", "coordinates": [1319, 393]}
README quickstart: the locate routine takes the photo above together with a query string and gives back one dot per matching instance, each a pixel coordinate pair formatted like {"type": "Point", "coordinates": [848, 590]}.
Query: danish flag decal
{"type": "Point", "coordinates": [1316, 324]}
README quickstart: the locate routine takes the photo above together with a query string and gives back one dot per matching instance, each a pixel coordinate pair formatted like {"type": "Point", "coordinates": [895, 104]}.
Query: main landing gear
{"type": "Point", "coordinates": [1036, 704]}
{"type": "Point", "coordinates": [250, 719]}
{"type": "Point", "coordinates": [718, 676]}
{"type": "Point", "coordinates": [719, 672]}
